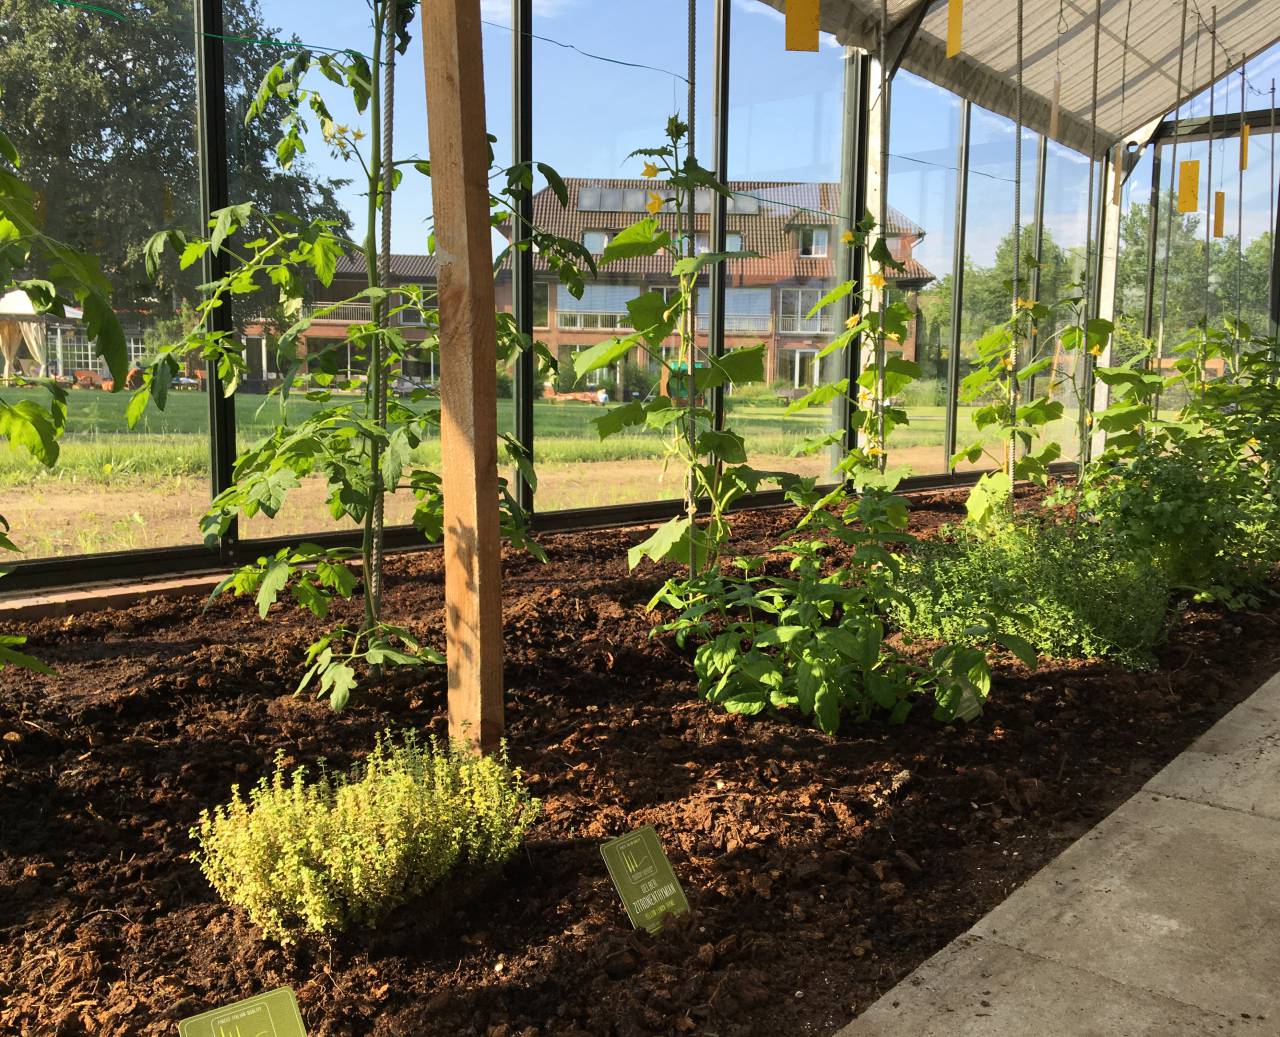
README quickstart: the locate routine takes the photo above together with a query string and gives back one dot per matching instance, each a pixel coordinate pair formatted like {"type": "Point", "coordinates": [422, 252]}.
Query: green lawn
{"type": "Point", "coordinates": [98, 446]}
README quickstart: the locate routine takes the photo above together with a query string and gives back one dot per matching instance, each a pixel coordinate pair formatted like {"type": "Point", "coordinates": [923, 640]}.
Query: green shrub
{"type": "Point", "coordinates": [347, 849]}
{"type": "Point", "coordinates": [923, 392]}
{"type": "Point", "coordinates": [1204, 513]}
{"type": "Point", "coordinates": [1078, 590]}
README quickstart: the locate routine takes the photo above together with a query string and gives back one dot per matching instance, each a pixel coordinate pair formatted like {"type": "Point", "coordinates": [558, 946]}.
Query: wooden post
{"type": "Point", "coordinates": [451, 51]}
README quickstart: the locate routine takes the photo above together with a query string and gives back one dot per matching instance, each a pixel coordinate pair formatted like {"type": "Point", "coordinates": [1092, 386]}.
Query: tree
{"type": "Point", "coordinates": [1244, 278]}
{"type": "Point", "coordinates": [103, 111]}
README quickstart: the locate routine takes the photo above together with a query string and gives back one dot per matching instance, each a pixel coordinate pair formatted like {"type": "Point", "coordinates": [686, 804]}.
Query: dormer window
{"type": "Point", "coordinates": [594, 241]}
{"type": "Point", "coordinates": [813, 241]}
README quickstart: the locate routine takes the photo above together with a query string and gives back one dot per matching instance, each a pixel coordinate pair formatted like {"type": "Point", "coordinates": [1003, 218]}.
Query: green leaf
{"type": "Point", "coordinates": [738, 366]}
{"type": "Point", "coordinates": [555, 182]}
{"type": "Point", "coordinates": [601, 355]}
{"type": "Point", "coordinates": [615, 419]}
{"type": "Point", "coordinates": [273, 582]}
{"type": "Point", "coordinates": [727, 446]}
{"type": "Point", "coordinates": [652, 316]}
{"type": "Point", "coordinates": [9, 656]}
{"type": "Point", "coordinates": [819, 397]}
{"type": "Point", "coordinates": [835, 295]}
{"type": "Point", "coordinates": [669, 540]}
{"type": "Point", "coordinates": [643, 238]}
{"type": "Point", "coordinates": [691, 265]}
{"type": "Point", "coordinates": [338, 681]}
{"type": "Point", "coordinates": [8, 151]}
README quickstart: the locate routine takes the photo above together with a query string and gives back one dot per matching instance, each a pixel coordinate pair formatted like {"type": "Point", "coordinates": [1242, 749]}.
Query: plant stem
{"type": "Point", "coordinates": [373, 381]}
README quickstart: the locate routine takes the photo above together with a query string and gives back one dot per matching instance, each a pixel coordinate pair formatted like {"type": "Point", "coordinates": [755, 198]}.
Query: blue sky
{"type": "Point", "coordinates": [784, 122]}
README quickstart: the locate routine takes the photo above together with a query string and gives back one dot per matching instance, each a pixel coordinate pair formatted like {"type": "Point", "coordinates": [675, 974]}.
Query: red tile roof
{"type": "Point", "coordinates": [781, 208]}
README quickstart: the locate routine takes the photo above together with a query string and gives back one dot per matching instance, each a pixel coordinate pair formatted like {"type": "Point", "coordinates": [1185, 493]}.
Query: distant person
{"type": "Point", "coordinates": [602, 396]}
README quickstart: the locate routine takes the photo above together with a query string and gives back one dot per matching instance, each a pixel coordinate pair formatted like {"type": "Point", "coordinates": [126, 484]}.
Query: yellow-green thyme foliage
{"type": "Point", "coordinates": [348, 848]}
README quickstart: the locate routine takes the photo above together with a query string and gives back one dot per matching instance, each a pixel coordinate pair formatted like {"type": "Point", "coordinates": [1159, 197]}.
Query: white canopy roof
{"type": "Point", "coordinates": [985, 70]}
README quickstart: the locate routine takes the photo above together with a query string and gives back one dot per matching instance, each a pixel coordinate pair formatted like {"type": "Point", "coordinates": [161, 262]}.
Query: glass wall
{"type": "Point", "coordinates": [989, 247]}
{"type": "Point", "coordinates": [111, 158]}
{"type": "Point", "coordinates": [923, 155]}
{"type": "Point", "coordinates": [786, 133]}
{"type": "Point", "coordinates": [1068, 244]}
{"type": "Point", "coordinates": [328, 182]}
{"type": "Point", "coordinates": [592, 103]}
{"type": "Point", "coordinates": [595, 102]}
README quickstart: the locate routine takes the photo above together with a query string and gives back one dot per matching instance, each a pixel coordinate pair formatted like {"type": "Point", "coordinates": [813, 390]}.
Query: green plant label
{"type": "Point", "coordinates": [642, 874]}
{"type": "Point", "coordinates": [273, 1014]}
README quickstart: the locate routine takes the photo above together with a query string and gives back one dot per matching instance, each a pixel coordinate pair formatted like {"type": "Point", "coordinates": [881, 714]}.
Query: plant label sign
{"type": "Point", "coordinates": [642, 874]}
{"type": "Point", "coordinates": [273, 1014]}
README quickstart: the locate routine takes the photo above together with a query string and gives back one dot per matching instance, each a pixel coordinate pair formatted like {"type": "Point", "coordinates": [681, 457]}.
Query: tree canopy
{"type": "Point", "coordinates": [103, 111]}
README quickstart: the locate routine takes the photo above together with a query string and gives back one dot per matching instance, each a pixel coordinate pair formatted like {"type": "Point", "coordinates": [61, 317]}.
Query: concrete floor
{"type": "Point", "coordinates": [1163, 920]}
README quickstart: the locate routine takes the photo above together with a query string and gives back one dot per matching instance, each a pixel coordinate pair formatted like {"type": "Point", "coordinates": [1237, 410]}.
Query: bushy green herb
{"type": "Point", "coordinates": [345, 850]}
{"type": "Point", "coordinates": [1077, 590]}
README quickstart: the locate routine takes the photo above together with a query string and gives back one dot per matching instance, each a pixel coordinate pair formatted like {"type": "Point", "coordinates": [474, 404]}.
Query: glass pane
{"type": "Point", "coordinates": [323, 183]}
{"type": "Point", "coordinates": [110, 166]}
{"type": "Point", "coordinates": [1062, 273]}
{"type": "Point", "coordinates": [583, 64]}
{"type": "Point", "coordinates": [786, 125]}
{"type": "Point", "coordinates": [987, 299]}
{"type": "Point", "coordinates": [923, 150]}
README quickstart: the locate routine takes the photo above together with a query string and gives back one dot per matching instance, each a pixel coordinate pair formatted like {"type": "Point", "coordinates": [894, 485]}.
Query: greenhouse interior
{"type": "Point", "coordinates": [762, 523]}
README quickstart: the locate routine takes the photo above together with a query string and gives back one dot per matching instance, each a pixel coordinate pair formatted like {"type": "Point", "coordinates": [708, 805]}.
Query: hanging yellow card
{"type": "Point", "coordinates": [1219, 208]}
{"type": "Point", "coordinates": [1117, 172]}
{"type": "Point", "coordinates": [802, 24]}
{"type": "Point", "coordinates": [1244, 146]}
{"type": "Point", "coordinates": [955, 26]}
{"type": "Point", "coordinates": [1189, 185]}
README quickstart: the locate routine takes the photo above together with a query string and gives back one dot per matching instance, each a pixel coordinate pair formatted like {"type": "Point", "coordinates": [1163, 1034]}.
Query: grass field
{"type": "Point", "coordinates": [115, 488]}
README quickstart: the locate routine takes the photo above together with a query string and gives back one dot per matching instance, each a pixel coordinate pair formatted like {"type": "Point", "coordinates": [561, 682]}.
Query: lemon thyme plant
{"type": "Point", "coordinates": [363, 438]}
{"type": "Point", "coordinates": [336, 850]}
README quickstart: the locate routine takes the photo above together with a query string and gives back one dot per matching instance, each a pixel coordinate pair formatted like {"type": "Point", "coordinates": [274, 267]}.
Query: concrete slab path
{"type": "Point", "coordinates": [1163, 920]}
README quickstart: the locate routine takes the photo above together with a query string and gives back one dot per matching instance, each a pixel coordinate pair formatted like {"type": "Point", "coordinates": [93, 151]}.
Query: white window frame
{"type": "Point", "coordinates": [586, 241]}
{"type": "Point", "coordinates": [814, 242]}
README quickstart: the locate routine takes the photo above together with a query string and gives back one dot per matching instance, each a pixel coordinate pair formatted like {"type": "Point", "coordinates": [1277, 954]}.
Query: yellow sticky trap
{"type": "Point", "coordinates": [1053, 108]}
{"type": "Point", "coordinates": [1117, 173]}
{"type": "Point", "coordinates": [955, 26]}
{"type": "Point", "coordinates": [1219, 208]}
{"type": "Point", "coordinates": [802, 24]}
{"type": "Point", "coordinates": [1244, 146]}
{"type": "Point", "coordinates": [1189, 185]}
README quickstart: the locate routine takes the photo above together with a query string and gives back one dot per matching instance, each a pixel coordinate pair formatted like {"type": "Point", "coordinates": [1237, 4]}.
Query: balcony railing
{"type": "Point", "coordinates": [586, 320]}
{"type": "Point", "coordinates": [791, 324]}
{"type": "Point", "coordinates": [347, 313]}
{"type": "Point", "coordinates": [740, 323]}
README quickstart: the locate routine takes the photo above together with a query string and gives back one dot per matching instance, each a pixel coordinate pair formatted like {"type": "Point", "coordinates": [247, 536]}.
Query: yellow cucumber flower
{"type": "Point", "coordinates": [847, 237]}
{"type": "Point", "coordinates": [654, 203]}
{"type": "Point", "coordinates": [876, 280]}
{"type": "Point", "coordinates": [649, 171]}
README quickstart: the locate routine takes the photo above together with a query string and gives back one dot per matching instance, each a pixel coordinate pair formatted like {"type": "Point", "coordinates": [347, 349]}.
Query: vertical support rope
{"type": "Point", "coordinates": [1090, 271]}
{"type": "Point", "coordinates": [1168, 224]}
{"type": "Point", "coordinates": [1208, 186]}
{"type": "Point", "coordinates": [882, 218]}
{"type": "Point", "coordinates": [1011, 450]}
{"type": "Point", "coordinates": [377, 372]}
{"type": "Point", "coordinates": [1240, 203]}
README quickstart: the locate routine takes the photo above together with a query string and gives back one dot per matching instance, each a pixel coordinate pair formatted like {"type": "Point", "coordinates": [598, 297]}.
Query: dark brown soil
{"type": "Point", "coordinates": [820, 870]}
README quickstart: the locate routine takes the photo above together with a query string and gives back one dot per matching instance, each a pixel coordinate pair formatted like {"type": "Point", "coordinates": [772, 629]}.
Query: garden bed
{"type": "Point", "coordinates": [820, 871]}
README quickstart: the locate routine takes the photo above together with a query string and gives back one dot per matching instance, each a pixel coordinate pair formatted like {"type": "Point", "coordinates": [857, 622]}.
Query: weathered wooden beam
{"type": "Point", "coordinates": [451, 51]}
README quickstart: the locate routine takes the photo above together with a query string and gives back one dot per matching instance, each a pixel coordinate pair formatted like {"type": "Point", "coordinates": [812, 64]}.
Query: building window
{"type": "Point", "coordinates": [813, 241]}
{"type": "Point", "coordinates": [594, 241]}
{"type": "Point", "coordinates": [793, 312]}
{"type": "Point", "coordinates": [732, 242]}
